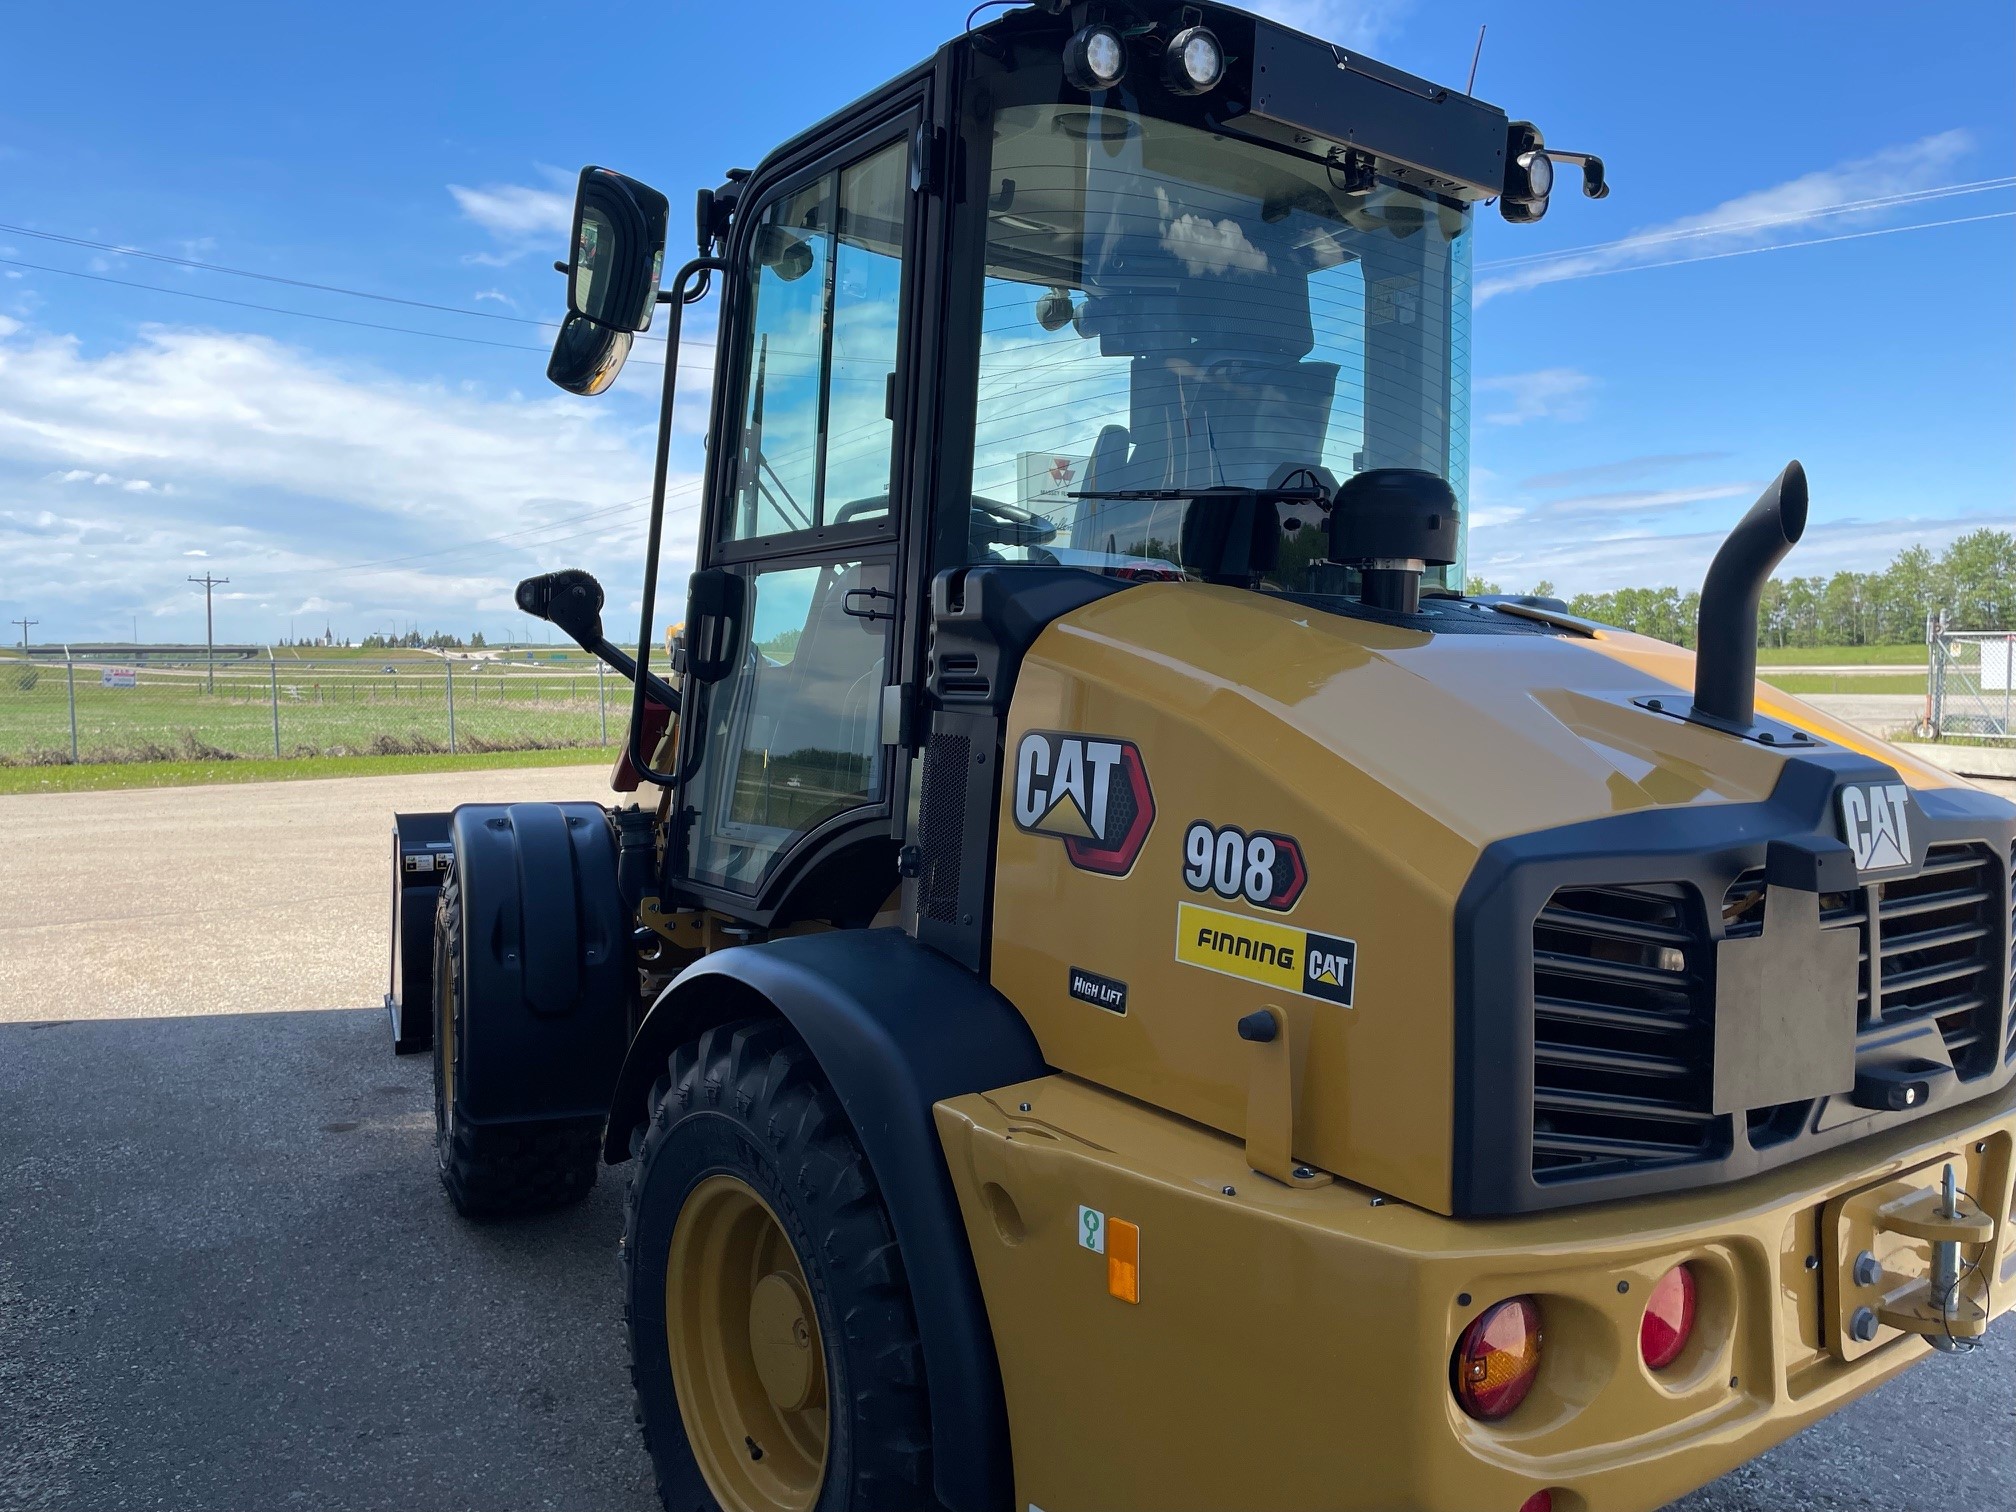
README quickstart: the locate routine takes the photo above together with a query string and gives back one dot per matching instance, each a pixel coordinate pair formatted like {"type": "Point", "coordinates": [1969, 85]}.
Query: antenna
{"type": "Point", "coordinates": [1470, 88]}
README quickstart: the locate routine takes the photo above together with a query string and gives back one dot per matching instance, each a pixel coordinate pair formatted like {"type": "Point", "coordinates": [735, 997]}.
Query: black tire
{"type": "Point", "coordinates": [748, 1101]}
{"type": "Point", "coordinates": [494, 1170]}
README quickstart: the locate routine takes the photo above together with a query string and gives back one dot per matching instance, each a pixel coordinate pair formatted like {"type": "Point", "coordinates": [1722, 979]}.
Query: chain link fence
{"type": "Point", "coordinates": [1973, 687]}
{"type": "Point", "coordinates": [57, 708]}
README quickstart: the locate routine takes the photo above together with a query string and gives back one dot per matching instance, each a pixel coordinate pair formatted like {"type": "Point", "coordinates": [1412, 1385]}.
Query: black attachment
{"type": "Point", "coordinates": [1725, 662]}
{"type": "Point", "coordinates": [1259, 1026]}
{"type": "Point", "coordinates": [1897, 1088]}
{"type": "Point", "coordinates": [1594, 185]}
{"type": "Point", "coordinates": [1393, 524]}
{"type": "Point", "coordinates": [1811, 863]}
{"type": "Point", "coordinates": [572, 600]}
{"type": "Point", "coordinates": [421, 851]}
{"type": "Point", "coordinates": [714, 602]}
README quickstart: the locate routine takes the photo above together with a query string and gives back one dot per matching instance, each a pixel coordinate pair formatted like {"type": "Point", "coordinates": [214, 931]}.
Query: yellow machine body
{"type": "Point", "coordinates": [1290, 1347]}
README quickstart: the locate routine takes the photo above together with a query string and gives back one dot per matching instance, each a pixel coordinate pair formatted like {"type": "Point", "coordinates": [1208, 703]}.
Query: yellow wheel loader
{"type": "Point", "coordinates": [1118, 984]}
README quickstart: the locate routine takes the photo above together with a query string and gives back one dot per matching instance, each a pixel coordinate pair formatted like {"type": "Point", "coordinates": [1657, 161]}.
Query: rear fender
{"type": "Point", "coordinates": [547, 979]}
{"type": "Point", "coordinates": [895, 1027]}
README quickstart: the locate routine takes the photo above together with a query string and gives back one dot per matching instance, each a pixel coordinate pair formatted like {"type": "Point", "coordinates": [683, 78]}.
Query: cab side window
{"type": "Point", "coordinates": [826, 284]}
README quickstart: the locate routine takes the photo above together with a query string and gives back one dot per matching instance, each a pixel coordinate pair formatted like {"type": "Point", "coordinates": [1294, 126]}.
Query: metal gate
{"type": "Point", "coordinates": [1974, 684]}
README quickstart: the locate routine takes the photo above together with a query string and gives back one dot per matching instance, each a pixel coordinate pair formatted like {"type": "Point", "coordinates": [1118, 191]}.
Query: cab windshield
{"type": "Point", "coordinates": [1168, 308]}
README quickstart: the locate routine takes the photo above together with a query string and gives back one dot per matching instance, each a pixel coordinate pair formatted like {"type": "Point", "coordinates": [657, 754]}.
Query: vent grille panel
{"type": "Point", "coordinates": [941, 826]}
{"type": "Point", "coordinates": [1622, 1033]}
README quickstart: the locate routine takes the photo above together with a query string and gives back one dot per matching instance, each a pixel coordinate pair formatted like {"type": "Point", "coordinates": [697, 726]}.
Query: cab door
{"type": "Point", "coordinates": [792, 623]}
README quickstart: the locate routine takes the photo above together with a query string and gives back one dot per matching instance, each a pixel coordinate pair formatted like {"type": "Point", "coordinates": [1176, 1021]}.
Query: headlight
{"type": "Point", "coordinates": [1095, 58]}
{"type": "Point", "coordinates": [1194, 62]}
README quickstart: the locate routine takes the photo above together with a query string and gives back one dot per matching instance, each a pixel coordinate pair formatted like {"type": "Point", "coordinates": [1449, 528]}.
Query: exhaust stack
{"type": "Point", "coordinates": [1725, 665]}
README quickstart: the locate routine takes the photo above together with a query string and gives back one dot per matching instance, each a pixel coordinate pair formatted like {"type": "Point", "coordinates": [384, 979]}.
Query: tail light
{"type": "Point", "coordinates": [1497, 1358]}
{"type": "Point", "coordinates": [1669, 1318]}
{"type": "Point", "coordinates": [1539, 1501]}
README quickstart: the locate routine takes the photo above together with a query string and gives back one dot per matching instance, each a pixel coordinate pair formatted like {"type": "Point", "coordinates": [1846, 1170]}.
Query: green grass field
{"type": "Point", "coordinates": [98, 776]}
{"type": "Point", "coordinates": [1845, 682]}
{"type": "Point", "coordinates": [1842, 656]}
{"type": "Point", "coordinates": [325, 709]}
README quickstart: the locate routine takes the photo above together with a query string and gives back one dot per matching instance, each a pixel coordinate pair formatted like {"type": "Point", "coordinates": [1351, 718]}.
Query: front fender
{"type": "Point", "coordinates": [895, 1027]}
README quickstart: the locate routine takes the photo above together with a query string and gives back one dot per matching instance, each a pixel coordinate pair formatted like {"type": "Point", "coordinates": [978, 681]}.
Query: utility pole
{"type": "Point", "coordinates": [209, 631]}
{"type": "Point", "coordinates": [24, 624]}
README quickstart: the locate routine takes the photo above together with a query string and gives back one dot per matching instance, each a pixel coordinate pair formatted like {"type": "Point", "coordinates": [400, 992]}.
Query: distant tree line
{"type": "Point", "coordinates": [413, 640]}
{"type": "Point", "coordinates": [1972, 583]}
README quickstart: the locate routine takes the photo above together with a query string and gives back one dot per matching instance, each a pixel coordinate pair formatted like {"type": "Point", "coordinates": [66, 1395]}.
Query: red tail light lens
{"type": "Point", "coordinates": [1497, 1358]}
{"type": "Point", "coordinates": [1539, 1501]}
{"type": "Point", "coordinates": [1669, 1318]}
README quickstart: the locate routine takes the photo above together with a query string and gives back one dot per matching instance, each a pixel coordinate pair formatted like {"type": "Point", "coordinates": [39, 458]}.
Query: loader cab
{"type": "Point", "coordinates": [1115, 293]}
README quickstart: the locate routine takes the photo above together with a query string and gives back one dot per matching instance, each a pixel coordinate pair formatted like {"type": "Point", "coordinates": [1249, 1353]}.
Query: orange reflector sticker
{"type": "Point", "coordinates": [1123, 1259]}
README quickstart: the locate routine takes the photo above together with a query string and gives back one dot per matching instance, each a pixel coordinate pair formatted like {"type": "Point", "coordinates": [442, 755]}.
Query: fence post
{"type": "Point", "coordinates": [602, 698]}
{"type": "Point", "coordinates": [449, 667]}
{"type": "Point", "coordinates": [273, 674]}
{"type": "Point", "coordinates": [70, 670]}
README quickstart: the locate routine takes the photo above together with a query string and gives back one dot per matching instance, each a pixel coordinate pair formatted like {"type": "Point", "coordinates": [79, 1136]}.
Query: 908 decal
{"type": "Point", "coordinates": [1263, 868]}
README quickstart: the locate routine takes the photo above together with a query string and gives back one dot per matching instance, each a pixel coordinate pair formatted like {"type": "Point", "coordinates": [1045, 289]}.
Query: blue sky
{"type": "Point", "coordinates": [1630, 400]}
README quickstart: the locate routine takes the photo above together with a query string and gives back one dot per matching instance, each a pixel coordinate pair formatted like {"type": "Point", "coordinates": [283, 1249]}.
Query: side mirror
{"type": "Point", "coordinates": [618, 254]}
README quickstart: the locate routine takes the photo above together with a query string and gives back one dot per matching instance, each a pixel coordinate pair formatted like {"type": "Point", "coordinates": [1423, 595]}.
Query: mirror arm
{"type": "Point", "coordinates": [681, 294]}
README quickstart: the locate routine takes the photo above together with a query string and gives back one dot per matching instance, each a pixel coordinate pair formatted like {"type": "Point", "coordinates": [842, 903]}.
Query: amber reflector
{"type": "Point", "coordinates": [1669, 1318]}
{"type": "Point", "coordinates": [1497, 1358]}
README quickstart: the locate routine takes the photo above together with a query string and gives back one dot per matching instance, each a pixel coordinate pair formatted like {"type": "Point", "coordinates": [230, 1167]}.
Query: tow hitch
{"type": "Point", "coordinates": [1913, 1256]}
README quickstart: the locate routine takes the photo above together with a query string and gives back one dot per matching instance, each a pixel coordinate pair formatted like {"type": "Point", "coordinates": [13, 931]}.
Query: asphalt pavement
{"type": "Point", "coordinates": [229, 1279]}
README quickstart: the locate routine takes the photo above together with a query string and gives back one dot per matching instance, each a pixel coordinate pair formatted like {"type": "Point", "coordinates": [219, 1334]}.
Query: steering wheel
{"type": "Point", "coordinates": [993, 522]}
{"type": "Point", "coordinates": [999, 524]}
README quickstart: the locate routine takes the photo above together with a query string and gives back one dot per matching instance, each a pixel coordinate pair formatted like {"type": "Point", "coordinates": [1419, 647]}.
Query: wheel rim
{"type": "Point", "coordinates": [748, 1362]}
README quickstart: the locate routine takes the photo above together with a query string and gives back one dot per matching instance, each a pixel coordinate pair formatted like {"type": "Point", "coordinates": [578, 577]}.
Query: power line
{"type": "Point", "coordinates": [243, 304]}
{"type": "Point", "coordinates": [1816, 241]}
{"type": "Point", "coordinates": [297, 283]}
{"type": "Point", "coordinates": [1846, 207]}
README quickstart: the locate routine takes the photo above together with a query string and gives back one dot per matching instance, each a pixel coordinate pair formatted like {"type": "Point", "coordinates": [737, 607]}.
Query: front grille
{"type": "Point", "coordinates": [1623, 1033]}
{"type": "Point", "coordinates": [1939, 938]}
{"type": "Point", "coordinates": [2010, 1053]}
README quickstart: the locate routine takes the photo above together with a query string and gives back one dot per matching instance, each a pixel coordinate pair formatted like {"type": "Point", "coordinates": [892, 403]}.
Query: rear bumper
{"type": "Point", "coordinates": [1290, 1348]}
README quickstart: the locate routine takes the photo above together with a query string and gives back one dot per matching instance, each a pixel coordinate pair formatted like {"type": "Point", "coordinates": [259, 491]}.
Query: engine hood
{"type": "Point", "coordinates": [1392, 759]}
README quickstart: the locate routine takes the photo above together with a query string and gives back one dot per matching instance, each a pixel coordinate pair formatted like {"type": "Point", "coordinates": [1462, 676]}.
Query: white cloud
{"type": "Point", "coordinates": [1546, 394]}
{"type": "Point", "coordinates": [497, 294]}
{"type": "Point", "coordinates": [1355, 23]}
{"type": "Point", "coordinates": [1650, 500]}
{"type": "Point", "coordinates": [1862, 192]}
{"type": "Point", "coordinates": [1211, 248]}
{"type": "Point", "coordinates": [519, 214]}
{"type": "Point", "coordinates": [288, 469]}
